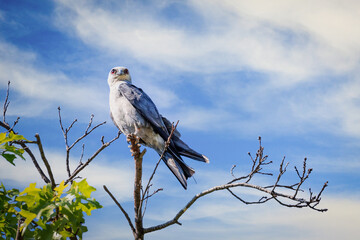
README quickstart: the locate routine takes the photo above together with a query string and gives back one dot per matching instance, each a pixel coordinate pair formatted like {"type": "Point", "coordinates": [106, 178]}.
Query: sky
{"type": "Point", "coordinates": [229, 71]}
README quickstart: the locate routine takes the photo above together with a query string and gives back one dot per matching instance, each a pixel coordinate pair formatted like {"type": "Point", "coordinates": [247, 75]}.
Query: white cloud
{"type": "Point", "coordinates": [292, 45]}
{"type": "Point", "coordinates": [238, 35]}
{"type": "Point", "coordinates": [42, 89]}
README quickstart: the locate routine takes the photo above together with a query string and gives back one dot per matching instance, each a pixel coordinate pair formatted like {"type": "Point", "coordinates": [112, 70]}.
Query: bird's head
{"type": "Point", "coordinates": [117, 74]}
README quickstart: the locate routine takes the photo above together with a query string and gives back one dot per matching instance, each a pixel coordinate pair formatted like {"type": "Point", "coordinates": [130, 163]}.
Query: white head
{"type": "Point", "coordinates": [117, 74]}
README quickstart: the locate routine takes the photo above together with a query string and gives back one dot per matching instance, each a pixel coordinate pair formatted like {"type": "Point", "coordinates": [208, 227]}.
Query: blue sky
{"type": "Point", "coordinates": [230, 71]}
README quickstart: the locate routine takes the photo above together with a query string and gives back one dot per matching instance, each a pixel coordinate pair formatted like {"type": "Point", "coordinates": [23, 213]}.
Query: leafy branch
{"type": "Point", "coordinates": [49, 212]}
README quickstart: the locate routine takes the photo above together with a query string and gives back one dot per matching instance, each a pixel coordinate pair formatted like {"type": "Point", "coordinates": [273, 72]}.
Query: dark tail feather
{"type": "Point", "coordinates": [181, 171]}
{"type": "Point", "coordinates": [186, 151]}
{"type": "Point", "coordinates": [181, 147]}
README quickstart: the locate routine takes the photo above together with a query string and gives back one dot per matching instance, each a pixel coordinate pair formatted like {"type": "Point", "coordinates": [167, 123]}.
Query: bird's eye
{"type": "Point", "coordinates": [126, 71]}
{"type": "Point", "coordinates": [113, 71]}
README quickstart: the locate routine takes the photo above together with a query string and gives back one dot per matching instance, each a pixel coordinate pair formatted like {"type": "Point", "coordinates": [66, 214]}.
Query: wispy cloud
{"type": "Point", "coordinates": [38, 90]}
{"type": "Point", "coordinates": [235, 36]}
{"type": "Point", "coordinates": [295, 53]}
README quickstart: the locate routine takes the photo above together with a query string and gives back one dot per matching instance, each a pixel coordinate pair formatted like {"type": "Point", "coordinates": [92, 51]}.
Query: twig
{"type": "Point", "coordinates": [263, 199]}
{"type": "Point", "coordinates": [281, 172]}
{"type": "Point", "coordinates": [6, 102]}
{"type": "Point", "coordinates": [232, 171]}
{"type": "Point", "coordinates": [18, 230]}
{"type": "Point", "coordinates": [121, 208]}
{"type": "Point", "coordinates": [303, 177]}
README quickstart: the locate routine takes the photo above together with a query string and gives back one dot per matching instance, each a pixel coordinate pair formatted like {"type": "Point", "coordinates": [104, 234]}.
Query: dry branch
{"type": "Point", "coordinates": [47, 165]}
{"type": "Point", "coordinates": [83, 165]}
{"type": "Point", "coordinates": [121, 208]}
{"type": "Point", "coordinates": [257, 165]}
{"type": "Point", "coordinates": [65, 133]}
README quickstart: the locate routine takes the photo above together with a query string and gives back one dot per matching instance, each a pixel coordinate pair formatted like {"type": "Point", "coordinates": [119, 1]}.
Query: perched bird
{"type": "Point", "coordinates": [133, 112]}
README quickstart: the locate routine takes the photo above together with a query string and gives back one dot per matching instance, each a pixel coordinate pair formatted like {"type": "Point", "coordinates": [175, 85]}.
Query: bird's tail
{"type": "Point", "coordinates": [181, 171]}
{"type": "Point", "coordinates": [185, 150]}
{"type": "Point", "coordinates": [181, 147]}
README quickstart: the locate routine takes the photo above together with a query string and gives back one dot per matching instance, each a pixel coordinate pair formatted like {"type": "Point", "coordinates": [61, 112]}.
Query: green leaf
{"type": "Point", "coordinates": [28, 199]}
{"type": "Point", "coordinates": [2, 137]}
{"type": "Point", "coordinates": [11, 137]}
{"type": "Point", "coordinates": [10, 152]}
{"type": "Point", "coordinates": [15, 137]}
{"type": "Point", "coordinates": [29, 216]}
{"type": "Point", "coordinates": [59, 189]}
{"type": "Point", "coordinates": [18, 151]}
{"type": "Point", "coordinates": [9, 157]}
{"type": "Point", "coordinates": [31, 189]}
{"type": "Point", "coordinates": [85, 188]}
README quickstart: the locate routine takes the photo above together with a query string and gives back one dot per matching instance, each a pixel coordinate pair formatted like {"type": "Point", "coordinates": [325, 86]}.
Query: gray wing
{"type": "Point", "coordinates": [142, 102]}
{"type": "Point", "coordinates": [168, 125]}
{"type": "Point", "coordinates": [145, 106]}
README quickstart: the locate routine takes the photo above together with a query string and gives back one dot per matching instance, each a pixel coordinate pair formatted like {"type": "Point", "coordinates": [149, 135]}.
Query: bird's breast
{"type": "Point", "coordinates": [125, 116]}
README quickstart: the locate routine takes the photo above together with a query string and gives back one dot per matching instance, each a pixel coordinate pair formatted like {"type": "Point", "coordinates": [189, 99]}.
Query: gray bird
{"type": "Point", "coordinates": [133, 112]}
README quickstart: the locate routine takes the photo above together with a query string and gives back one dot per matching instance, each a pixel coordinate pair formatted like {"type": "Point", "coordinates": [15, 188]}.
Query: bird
{"type": "Point", "coordinates": [133, 112]}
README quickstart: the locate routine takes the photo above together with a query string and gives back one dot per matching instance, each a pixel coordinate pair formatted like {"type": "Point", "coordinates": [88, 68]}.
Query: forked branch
{"type": "Point", "coordinates": [83, 165]}
{"type": "Point", "coordinates": [65, 131]}
{"type": "Point", "coordinates": [257, 166]}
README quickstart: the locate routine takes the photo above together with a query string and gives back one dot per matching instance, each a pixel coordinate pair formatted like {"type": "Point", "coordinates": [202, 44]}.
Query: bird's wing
{"type": "Point", "coordinates": [142, 102]}
{"type": "Point", "coordinates": [169, 125]}
{"type": "Point", "coordinates": [145, 106]}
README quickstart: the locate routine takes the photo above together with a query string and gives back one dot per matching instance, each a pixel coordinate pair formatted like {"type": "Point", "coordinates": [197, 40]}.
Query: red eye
{"type": "Point", "coordinates": [113, 71]}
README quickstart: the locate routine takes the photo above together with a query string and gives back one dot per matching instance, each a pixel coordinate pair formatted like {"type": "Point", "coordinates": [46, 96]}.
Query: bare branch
{"type": "Point", "coordinates": [87, 132]}
{"type": "Point", "coordinates": [6, 102]}
{"type": "Point", "coordinates": [82, 153]}
{"type": "Point", "coordinates": [263, 199]}
{"type": "Point", "coordinates": [303, 177]}
{"type": "Point", "coordinates": [275, 195]}
{"type": "Point", "coordinates": [232, 171]}
{"type": "Point", "coordinates": [82, 166]}
{"type": "Point", "coordinates": [258, 162]}
{"type": "Point", "coordinates": [28, 151]}
{"type": "Point", "coordinates": [66, 131]}
{"type": "Point", "coordinates": [281, 172]}
{"type": "Point", "coordinates": [61, 125]}
{"type": "Point", "coordinates": [47, 165]}
{"type": "Point", "coordinates": [121, 208]}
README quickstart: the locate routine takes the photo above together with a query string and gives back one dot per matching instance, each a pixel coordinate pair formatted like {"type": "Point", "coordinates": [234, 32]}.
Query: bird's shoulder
{"type": "Point", "coordinates": [131, 91]}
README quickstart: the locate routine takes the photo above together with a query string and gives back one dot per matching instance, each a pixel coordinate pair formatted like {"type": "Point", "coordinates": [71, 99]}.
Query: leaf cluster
{"type": "Point", "coordinates": [8, 218]}
{"type": "Point", "coordinates": [46, 213]}
{"type": "Point", "coordinates": [8, 151]}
